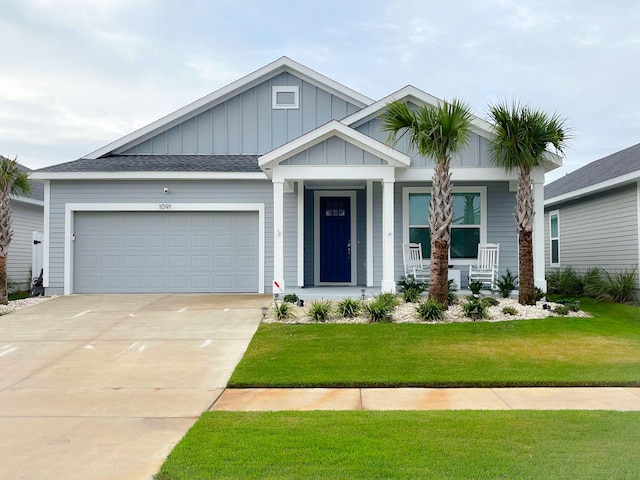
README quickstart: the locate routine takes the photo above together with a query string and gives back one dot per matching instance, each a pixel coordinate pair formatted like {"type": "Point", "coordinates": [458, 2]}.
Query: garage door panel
{"type": "Point", "coordinates": [138, 252]}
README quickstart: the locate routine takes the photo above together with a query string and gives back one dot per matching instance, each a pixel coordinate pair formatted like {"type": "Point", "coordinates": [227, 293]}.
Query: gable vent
{"type": "Point", "coordinates": [286, 97]}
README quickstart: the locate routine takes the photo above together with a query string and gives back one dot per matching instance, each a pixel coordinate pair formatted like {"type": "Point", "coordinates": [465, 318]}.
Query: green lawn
{"type": "Point", "coordinates": [439, 445]}
{"type": "Point", "coordinates": [604, 350]}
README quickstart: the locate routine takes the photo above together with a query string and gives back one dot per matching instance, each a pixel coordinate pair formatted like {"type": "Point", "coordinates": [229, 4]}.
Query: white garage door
{"type": "Point", "coordinates": [149, 252]}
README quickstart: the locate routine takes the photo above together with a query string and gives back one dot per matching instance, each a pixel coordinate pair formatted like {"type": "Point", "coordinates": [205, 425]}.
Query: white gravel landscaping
{"type": "Point", "coordinates": [405, 313]}
{"type": "Point", "coordinates": [15, 305]}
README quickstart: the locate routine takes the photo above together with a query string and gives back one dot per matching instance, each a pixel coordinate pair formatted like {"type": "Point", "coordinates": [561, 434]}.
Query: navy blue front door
{"type": "Point", "coordinates": [335, 239]}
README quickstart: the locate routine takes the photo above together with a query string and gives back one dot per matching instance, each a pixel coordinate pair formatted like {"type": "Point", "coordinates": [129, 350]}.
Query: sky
{"type": "Point", "coordinates": [76, 75]}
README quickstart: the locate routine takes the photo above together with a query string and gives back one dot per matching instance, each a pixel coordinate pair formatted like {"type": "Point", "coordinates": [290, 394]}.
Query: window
{"type": "Point", "coordinates": [554, 237]}
{"type": "Point", "coordinates": [285, 97]}
{"type": "Point", "coordinates": [468, 228]}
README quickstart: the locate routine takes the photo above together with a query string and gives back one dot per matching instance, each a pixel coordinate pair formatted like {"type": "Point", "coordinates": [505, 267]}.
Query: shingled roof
{"type": "Point", "coordinates": [612, 166]}
{"type": "Point", "coordinates": [161, 163]}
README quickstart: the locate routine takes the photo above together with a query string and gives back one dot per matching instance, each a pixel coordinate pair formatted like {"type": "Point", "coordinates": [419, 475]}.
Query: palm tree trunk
{"type": "Point", "coordinates": [440, 218]}
{"type": "Point", "coordinates": [4, 299]}
{"type": "Point", "coordinates": [524, 218]}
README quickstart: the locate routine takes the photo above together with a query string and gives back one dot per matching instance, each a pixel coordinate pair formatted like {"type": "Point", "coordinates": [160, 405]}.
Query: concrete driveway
{"type": "Point", "coordinates": [103, 386]}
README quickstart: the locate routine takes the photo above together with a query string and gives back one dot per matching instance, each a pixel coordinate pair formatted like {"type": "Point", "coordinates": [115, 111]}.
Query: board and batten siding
{"type": "Point", "coordinates": [475, 155]}
{"type": "Point", "coordinates": [180, 191]}
{"type": "Point", "coordinates": [598, 231]}
{"type": "Point", "coordinates": [334, 151]}
{"type": "Point", "coordinates": [247, 124]}
{"type": "Point", "coordinates": [25, 219]}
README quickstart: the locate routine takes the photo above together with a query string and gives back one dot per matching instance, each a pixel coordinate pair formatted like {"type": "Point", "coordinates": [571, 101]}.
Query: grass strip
{"type": "Point", "coordinates": [431, 444]}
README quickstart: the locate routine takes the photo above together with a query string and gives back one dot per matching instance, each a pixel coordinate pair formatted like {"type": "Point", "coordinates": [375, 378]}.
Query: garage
{"type": "Point", "coordinates": [163, 251]}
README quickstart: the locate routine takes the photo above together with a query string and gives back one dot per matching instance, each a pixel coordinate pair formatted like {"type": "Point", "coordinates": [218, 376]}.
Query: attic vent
{"type": "Point", "coordinates": [285, 97]}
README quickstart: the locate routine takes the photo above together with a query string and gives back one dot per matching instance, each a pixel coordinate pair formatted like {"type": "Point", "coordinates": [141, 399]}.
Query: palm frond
{"type": "Point", "coordinates": [13, 179]}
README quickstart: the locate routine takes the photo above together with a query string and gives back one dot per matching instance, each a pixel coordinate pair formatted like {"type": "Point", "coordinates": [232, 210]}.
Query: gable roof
{"type": "Point", "coordinates": [326, 131]}
{"type": "Point", "coordinates": [283, 64]}
{"type": "Point", "coordinates": [613, 170]}
{"type": "Point", "coordinates": [415, 95]}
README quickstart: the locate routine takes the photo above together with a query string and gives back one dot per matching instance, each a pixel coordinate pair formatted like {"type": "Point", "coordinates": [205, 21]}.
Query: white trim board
{"type": "Point", "coordinates": [71, 208]}
{"type": "Point", "coordinates": [148, 176]}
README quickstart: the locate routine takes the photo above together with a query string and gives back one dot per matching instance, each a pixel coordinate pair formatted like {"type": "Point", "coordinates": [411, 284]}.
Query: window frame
{"type": "Point", "coordinates": [482, 190]}
{"type": "Point", "coordinates": [276, 89]}
{"type": "Point", "coordinates": [554, 213]}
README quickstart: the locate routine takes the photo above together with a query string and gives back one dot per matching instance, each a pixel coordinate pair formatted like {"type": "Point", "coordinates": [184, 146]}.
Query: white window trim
{"type": "Point", "coordinates": [483, 216]}
{"type": "Point", "coordinates": [275, 90]}
{"type": "Point", "coordinates": [71, 208]}
{"type": "Point", "coordinates": [551, 238]}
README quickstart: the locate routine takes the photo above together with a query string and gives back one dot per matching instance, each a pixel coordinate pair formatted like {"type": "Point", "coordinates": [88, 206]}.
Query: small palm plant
{"type": "Point", "coordinates": [320, 310]}
{"type": "Point", "coordinates": [349, 307]}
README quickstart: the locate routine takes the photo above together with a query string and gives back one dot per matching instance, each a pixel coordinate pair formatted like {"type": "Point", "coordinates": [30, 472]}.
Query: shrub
{"type": "Point", "coordinates": [562, 310]}
{"type": "Point", "coordinates": [349, 307]}
{"type": "Point", "coordinates": [565, 282]}
{"type": "Point", "coordinates": [451, 292]}
{"type": "Point", "coordinates": [475, 287]}
{"type": "Point", "coordinates": [620, 285]}
{"type": "Point", "coordinates": [538, 294]}
{"type": "Point", "coordinates": [290, 298]}
{"type": "Point", "coordinates": [410, 283]}
{"type": "Point", "coordinates": [283, 310]}
{"type": "Point", "coordinates": [378, 309]}
{"type": "Point", "coordinates": [594, 284]}
{"type": "Point", "coordinates": [507, 283]}
{"type": "Point", "coordinates": [320, 310]}
{"type": "Point", "coordinates": [474, 306]}
{"type": "Point", "coordinates": [389, 299]}
{"type": "Point", "coordinates": [430, 310]}
{"type": "Point", "coordinates": [510, 310]}
{"type": "Point", "coordinates": [489, 302]}
{"type": "Point", "coordinates": [411, 295]}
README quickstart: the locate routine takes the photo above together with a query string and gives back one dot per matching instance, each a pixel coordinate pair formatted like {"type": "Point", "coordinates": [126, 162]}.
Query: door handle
{"type": "Point", "coordinates": [349, 250]}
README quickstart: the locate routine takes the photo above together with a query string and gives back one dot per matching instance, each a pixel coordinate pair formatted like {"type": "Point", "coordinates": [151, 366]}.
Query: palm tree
{"type": "Point", "coordinates": [438, 132]}
{"type": "Point", "coordinates": [522, 136]}
{"type": "Point", "coordinates": [13, 181]}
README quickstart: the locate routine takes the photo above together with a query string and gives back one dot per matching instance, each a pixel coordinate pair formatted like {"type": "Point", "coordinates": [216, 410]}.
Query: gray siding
{"type": "Point", "coordinates": [598, 231]}
{"type": "Point", "coordinates": [475, 155]}
{"type": "Point", "coordinates": [309, 238]}
{"type": "Point", "coordinates": [63, 192]}
{"type": "Point", "coordinates": [247, 123]}
{"type": "Point", "coordinates": [501, 228]}
{"type": "Point", "coordinates": [25, 219]}
{"type": "Point", "coordinates": [333, 151]}
{"type": "Point", "coordinates": [290, 238]}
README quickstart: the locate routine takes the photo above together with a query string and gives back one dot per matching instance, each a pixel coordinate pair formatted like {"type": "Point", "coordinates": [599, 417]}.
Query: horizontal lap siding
{"type": "Point", "coordinates": [291, 239]}
{"type": "Point", "coordinates": [63, 192]}
{"type": "Point", "coordinates": [25, 219]}
{"type": "Point", "coordinates": [599, 231]}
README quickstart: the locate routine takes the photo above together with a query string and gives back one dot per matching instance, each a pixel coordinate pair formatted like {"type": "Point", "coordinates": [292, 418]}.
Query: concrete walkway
{"type": "Point", "coordinates": [104, 386]}
{"type": "Point", "coordinates": [534, 398]}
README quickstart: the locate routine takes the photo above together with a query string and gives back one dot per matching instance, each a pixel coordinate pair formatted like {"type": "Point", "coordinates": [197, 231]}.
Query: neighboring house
{"type": "Point", "coordinates": [592, 215]}
{"type": "Point", "coordinates": [281, 176]}
{"type": "Point", "coordinates": [27, 216]}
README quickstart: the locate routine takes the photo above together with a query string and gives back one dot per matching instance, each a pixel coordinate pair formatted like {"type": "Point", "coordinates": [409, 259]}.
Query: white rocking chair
{"type": "Point", "coordinates": [486, 270]}
{"type": "Point", "coordinates": [413, 265]}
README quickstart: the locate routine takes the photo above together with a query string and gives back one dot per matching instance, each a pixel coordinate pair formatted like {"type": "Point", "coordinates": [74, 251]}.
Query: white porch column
{"type": "Point", "coordinates": [388, 265]}
{"type": "Point", "coordinates": [538, 234]}
{"type": "Point", "coordinates": [278, 232]}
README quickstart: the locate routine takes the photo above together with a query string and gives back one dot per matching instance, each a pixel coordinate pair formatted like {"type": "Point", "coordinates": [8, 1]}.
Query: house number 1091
{"type": "Point", "coordinates": [165, 206]}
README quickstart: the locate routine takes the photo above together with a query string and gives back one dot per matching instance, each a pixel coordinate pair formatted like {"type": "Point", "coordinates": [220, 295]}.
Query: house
{"type": "Point", "coordinates": [282, 178]}
{"type": "Point", "coordinates": [592, 215]}
{"type": "Point", "coordinates": [27, 216]}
